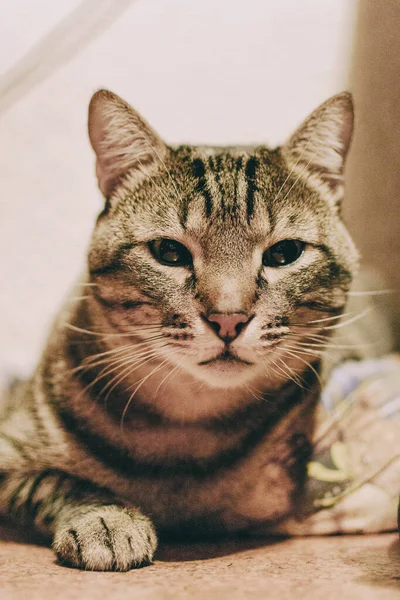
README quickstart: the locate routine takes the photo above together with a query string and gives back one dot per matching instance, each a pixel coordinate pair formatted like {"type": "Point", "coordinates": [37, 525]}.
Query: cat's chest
{"type": "Point", "coordinates": [245, 486]}
{"type": "Point", "coordinates": [257, 489]}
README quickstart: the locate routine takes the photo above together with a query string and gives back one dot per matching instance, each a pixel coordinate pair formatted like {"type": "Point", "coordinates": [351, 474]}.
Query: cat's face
{"type": "Point", "coordinates": [227, 260]}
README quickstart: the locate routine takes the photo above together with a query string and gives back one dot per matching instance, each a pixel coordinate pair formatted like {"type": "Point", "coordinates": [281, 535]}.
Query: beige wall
{"type": "Point", "coordinates": [373, 170]}
{"type": "Point", "coordinates": [221, 71]}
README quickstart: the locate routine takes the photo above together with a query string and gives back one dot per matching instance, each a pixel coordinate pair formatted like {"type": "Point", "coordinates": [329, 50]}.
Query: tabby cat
{"type": "Point", "coordinates": [178, 385]}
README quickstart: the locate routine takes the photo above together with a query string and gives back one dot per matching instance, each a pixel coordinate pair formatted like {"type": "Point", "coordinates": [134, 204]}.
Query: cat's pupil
{"type": "Point", "coordinates": [283, 253]}
{"type": "Point", "coordinates": [171, 253]}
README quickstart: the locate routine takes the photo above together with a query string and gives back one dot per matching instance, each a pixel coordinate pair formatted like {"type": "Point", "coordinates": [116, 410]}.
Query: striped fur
{"type": "Point", "coordinates": [137, 407]}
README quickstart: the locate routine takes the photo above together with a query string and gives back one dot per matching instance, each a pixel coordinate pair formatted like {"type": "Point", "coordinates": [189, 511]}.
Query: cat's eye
{"type": "Point", "coordinates": [171, 253]}
{"type": "Point", "coordinates": [283, 253]}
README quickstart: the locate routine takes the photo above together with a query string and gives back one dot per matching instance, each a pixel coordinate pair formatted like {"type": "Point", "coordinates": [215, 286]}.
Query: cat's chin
{"type": "Point", "coordinates": [224, 374]}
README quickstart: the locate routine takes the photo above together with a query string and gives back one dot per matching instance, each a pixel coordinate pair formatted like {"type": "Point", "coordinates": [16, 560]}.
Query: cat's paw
{"type": "Point", "coordinates": [107, 538]}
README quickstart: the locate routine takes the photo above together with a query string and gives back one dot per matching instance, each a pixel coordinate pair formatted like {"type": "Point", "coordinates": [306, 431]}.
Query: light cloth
{"type": "Point", "coordinates": [353, 482]}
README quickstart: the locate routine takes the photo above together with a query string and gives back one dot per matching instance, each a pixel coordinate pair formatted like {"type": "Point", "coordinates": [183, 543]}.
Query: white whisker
{"type": "Point", "coordinates": [164, 165]}
{"type": "Point", "coordinates": [120, 363]}
{"type": "Point", "coordinates": [140, 383]}
{"type": "Point", "coordinates": [371, 293]}
{"type": "Point", "coordinates": [167, 377]}
{"type": "Point", "coordinates": [365, 312]}
{"type": "Point", "coordinates": [293, 167]}
{"type": "Point", "coordinates": [300, 175]}
{"type": "Point", "coordinates": [127, 372]}
{"type": "Point", "coordinates": [296, 356]}
{"type": "Point", "coordinates": [288, 372]}
{"type": "Point", "coordinates": [334, 318]}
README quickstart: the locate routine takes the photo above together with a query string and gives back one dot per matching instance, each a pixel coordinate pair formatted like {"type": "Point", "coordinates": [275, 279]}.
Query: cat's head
{"type": "Point", "coordinates": [229, 261]}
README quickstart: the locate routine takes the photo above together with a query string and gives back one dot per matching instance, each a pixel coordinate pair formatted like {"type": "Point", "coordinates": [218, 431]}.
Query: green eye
{"type": "Point", "coordinates": [171, 253]}
{"type": "Point", "coordinates": [283, 253]}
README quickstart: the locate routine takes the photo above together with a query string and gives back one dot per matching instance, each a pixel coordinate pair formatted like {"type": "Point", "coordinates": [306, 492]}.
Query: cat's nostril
{"type": "Point", "coordinates": [227, 326]}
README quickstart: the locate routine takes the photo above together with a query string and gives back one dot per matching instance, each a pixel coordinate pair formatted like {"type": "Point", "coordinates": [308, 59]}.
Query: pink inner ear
{"type": "Point", "coordinates": [347, 130]}
{"type": "Point", "coordinates": [106, 164]}
{"type": "Point", "coordinates": [118, 134]}
{"type": "Point", "coordinates": [98, 125]}
{"type": "Point", "coordinates": [104, 177]}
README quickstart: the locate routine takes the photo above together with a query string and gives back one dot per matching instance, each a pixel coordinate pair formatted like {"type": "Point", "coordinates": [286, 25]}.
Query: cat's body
{"type": "Point", "coordinates": [181, 377]}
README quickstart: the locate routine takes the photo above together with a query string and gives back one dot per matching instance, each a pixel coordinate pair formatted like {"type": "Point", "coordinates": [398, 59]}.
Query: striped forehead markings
{"type": "Point", "coordinates": [199, 172]}
{"type": "Point", "coordinates": [215, 166]}
{"type": "Point", "coordinates": [250, 172]}
{"type": "Point", "coordinates": [239, 166]}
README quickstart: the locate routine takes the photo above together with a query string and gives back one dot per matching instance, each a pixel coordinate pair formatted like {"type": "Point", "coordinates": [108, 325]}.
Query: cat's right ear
{"type": "Point", "coordinates": [122, 140]}
{"type": "Point", "coordinates": [317, 151]}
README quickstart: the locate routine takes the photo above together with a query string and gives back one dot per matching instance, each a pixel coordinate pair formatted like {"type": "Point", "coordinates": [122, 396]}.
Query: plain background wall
{"type": "Point", "coordinates": [217, 71]}
{"type": "Point", "coordinates": [373, 169]}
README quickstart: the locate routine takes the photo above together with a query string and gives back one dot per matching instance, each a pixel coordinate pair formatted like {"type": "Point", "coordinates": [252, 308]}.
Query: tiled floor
{"type": "Point", "coordinates": [336, 568]}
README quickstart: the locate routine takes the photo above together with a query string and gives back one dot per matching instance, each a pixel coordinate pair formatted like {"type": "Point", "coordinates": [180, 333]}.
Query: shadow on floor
{"type": "Point", "coordinates": [381, 567]}
{"type": "Point", "coordinates": [10, 533]}
{"type": "Point", "coordinates": [194, 551]}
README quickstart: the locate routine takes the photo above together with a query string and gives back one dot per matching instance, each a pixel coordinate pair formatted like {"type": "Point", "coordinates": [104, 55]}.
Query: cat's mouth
{"type": "Point", "coordinates": [225, 357]}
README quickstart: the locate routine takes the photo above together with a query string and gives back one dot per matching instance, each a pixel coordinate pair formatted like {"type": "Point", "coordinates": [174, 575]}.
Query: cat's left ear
{"type": "Point", "coordinates": [317, 151]}
{"type": "Point", "coordinates": [122, 140]}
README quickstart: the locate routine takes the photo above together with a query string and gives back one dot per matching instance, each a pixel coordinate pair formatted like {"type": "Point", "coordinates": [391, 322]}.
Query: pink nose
{"type": "Point", "coordinates": [227, 326]}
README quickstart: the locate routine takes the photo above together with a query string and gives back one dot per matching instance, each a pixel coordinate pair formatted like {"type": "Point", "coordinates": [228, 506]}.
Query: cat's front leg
{"type": "Point", "coordinates": [90, 528]}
